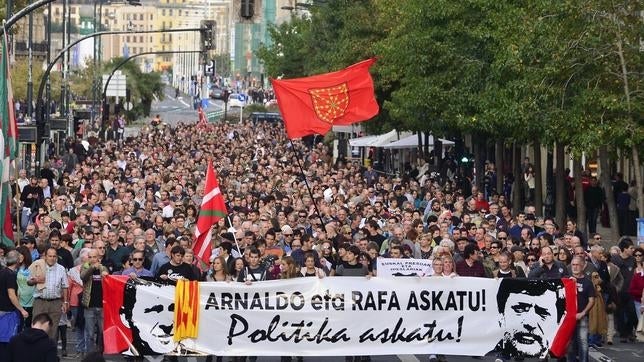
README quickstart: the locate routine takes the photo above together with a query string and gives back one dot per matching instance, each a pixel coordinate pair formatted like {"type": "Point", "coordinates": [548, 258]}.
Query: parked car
{"type": "Point", "coordinates": [233, 101]}
{"type": "Point", "coordinates": [216, 93]}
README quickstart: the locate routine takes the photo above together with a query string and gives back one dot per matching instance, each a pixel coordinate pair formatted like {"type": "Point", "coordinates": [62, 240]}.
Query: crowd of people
{"type": "Point", "coordinates": [131, 208]}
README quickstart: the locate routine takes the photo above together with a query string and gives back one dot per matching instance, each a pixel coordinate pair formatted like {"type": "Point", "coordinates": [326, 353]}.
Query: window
{"type": "Point", "coordinates": [127, 38]}
{"type": "Point", "coordinates": [163, 12]}
{"type": "Point", "coordinates": [141, 39]}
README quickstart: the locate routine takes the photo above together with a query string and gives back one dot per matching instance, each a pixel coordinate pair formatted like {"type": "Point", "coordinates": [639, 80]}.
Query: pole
{"type": "Point", "coordinates": [95, 74]}
{"type": "Point", "coordinates": [65, 60]}
{"type": "Point", "coordinates": [306, 182]}
{"type": "Point", "coordinates": [118, 66]}
{"type": "Point", "coordinates": [48, 90]}
{"type": "Point", "coordinates": [70, 117]}
{"type": "Point", "coordinates": [45, 76]}
{"type": "Point", "coordinates": [234, 236]}
{"type": "Point", "coordinates": [22, 13]}
{"type": "Point", "coordinates": [30, 82]}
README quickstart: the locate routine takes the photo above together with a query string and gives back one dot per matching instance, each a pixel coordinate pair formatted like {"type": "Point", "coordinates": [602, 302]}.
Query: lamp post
{"type": "Point", "coordinates": [30, 57]}
{"type": "Point", "coordinates": [45, 77]}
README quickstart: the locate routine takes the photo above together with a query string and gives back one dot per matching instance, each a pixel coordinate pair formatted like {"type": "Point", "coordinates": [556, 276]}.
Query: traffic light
{"type": "Point", "coordinates": [208, 34]}
{"type": "Point", "coordinates": [247, 10]}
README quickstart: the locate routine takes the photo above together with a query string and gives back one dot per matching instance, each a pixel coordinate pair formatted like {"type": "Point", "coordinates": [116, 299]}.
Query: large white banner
{"type": "Point", "coordinates": [344, 316]}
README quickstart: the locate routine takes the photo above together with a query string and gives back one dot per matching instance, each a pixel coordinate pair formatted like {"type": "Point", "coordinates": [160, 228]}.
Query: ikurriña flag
{"type": "Point", "coordinates": [312, 105]}
{"type": "Point", "coordinates": [8, 143]}
{"type": "Point", "coordinates": [213, 208]}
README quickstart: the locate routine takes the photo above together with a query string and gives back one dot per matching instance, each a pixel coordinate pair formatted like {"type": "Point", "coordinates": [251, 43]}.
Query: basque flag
{"type": "Point", "coordinates": [213, 208]}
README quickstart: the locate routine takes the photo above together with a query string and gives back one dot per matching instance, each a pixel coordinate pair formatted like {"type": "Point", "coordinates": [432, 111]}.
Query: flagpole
{"type": "Point", "coordinates": [306, 182]}
{"type": "Point", "coordinates": [234, 236]}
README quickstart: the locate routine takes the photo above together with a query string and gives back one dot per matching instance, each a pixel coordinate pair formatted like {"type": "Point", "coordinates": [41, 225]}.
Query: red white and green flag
{"type": "Point", "coordinates": [8, 142]}
{"type": "Point", "coordinates": [213, 209]}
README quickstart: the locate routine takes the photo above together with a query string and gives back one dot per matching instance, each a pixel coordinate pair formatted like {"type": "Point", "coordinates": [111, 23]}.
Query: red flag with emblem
{"type": "Point", "coordinates": [213, 208]}
{"type": "Point", "coordinates": [312, 105]}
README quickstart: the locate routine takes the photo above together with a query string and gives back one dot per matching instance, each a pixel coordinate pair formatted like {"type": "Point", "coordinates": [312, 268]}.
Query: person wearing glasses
{"type": "Point", "coordinates": [92, 273]}
{"type": "Point", "coordinates": [136, 270]}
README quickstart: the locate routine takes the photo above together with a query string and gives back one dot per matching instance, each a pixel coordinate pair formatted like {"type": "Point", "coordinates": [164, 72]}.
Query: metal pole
{"type": "Point", "coordinates": [93, 109]}
{"type": "Point", "coordinates": [45, 76]}
{"type": "Point", "coordinates": [48, 84]}
{"type": "Point", "coordinates": [70, 117]}
{"type": "Point", "coordinates": [22, 13]}
{"type": "Point", "coordinates": [65, 21]}
{"type": "Point", "coordinates": [119, 65]}
{"type": "Point", "coordinates": [30, 82]}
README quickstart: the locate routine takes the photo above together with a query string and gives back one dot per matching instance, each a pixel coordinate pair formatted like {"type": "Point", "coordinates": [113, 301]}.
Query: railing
{"type": "Point", "coordinates": [21, 46]}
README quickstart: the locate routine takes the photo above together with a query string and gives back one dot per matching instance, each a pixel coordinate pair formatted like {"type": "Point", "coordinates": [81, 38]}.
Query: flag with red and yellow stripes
{"type": "Point", "coordinates": [186, 309]}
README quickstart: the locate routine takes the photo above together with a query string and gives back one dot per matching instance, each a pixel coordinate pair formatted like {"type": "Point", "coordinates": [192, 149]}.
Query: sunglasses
{"type": "Point", "coordinates": [532, 259]}
{"type": "Point", "coordinates": [503, 238]}
{"type": "Point", "coordinates": [638, 255]}
{"type": "Point", "coordinates": [137, 259]}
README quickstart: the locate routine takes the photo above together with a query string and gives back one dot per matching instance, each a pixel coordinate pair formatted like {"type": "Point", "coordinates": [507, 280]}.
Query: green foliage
{"type": "Point", "coordinates": [567, 72]}
{"type": "Point", "coordinates": [143, 87]}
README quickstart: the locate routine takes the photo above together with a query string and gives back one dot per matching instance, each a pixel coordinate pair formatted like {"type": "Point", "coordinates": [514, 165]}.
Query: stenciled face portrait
{"type": "Point", "coordinates": [533, 325]}
{"type": "Point", "coordinates": [530, 316]}
{"type": "Point", "coordinates": [150, 317]}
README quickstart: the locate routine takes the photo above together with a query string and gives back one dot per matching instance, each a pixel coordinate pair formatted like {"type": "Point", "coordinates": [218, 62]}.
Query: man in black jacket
{"type": "Point", "coordinates": [34, 344]}
{"type": "Point", "coordinates": [31, 197]}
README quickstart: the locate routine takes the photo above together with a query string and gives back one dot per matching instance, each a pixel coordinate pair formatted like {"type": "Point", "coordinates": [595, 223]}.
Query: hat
{"type": "Point", "coordinates": [517, 248]}
{"type": "Point", "coordinates": [530, 217]}
{"type": "Point", "coordinates": [286, 229]}
{"type": "Point", "coordinates": [28, 239]}
{"type": "Point", "coordinates": [228, 236]}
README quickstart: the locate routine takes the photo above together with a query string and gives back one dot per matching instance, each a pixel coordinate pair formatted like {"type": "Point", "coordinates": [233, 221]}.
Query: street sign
{"type": "Point", "coordinates": [210, 68]}
{"type": "Point", "coordinates": [241, 97]}
{"type": "Point", "coordinates": [215, 116]}
{"type": "Point", "coordinates": [117, 86]}
{"type": "Point", "coordinates": [128, 106]}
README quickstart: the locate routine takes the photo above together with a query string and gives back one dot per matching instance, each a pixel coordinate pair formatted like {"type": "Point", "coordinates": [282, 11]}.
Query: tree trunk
{"type": "Point", "coordinates": [517, 189]}
{"type": "Point", "coordinates": [478, 162]}
{"type": "Point", "coordinates": [438, 154]}
{"type": "Point", "coordinates": [421, 152]}
{"type": "Point", "coordinates": [604, 164]}
{"type": "Point", "coordinates": [426, 145]}
{"type": "Point", "coordinates": [579, 197]}
{"type": "Point", "coordinates": [551, 193]}
{"type": "Point", "coordinates": [637, 166]}
{"type": "Point", "coordinates": [560, 185]}
{"type": "Point", "coordinates": [538, 187]}
{"type": "Point", "coordinates": [498, 159]}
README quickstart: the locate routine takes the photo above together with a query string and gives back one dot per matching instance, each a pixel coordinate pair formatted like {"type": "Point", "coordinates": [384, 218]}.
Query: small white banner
{"type": "Point", "coordinates": [388, 267]}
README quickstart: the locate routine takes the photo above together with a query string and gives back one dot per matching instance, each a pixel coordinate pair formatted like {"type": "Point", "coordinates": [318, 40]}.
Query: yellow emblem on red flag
{"type": "Point", "coordinates": [186, 310]}
{"type": "Point", "coordinates": [330, 103]}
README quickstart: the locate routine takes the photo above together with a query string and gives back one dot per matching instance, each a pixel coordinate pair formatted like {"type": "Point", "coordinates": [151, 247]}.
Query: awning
{"type": "Point", "coordinates": [412, 142]}
{"type": "Point", "coordinates": [374, 141]}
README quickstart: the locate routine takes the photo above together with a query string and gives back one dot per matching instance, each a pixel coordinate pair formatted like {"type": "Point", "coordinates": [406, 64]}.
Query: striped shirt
{"type": "Point", "coordinates": [55, 281]}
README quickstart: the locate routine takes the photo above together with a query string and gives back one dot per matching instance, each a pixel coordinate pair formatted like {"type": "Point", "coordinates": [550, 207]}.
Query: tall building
{"type": "Point", "coordinates": [251, 34]}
